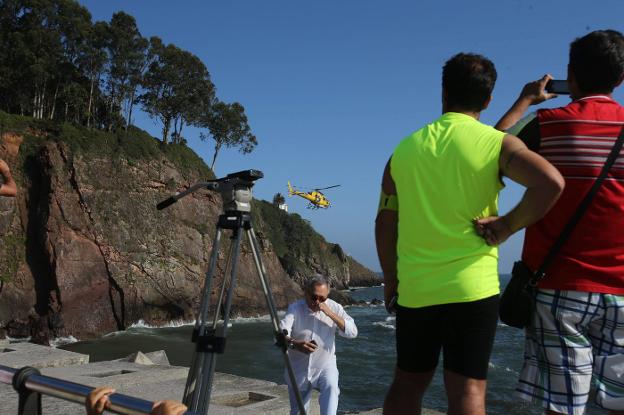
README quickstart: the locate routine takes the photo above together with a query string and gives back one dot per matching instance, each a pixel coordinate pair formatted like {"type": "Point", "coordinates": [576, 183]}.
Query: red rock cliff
{"type": "Point", "coordinates": [84, 251]}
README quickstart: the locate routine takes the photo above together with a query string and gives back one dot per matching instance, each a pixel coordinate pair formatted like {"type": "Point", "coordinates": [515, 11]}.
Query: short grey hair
{"type": "Point", "coordinates": [315, 280]}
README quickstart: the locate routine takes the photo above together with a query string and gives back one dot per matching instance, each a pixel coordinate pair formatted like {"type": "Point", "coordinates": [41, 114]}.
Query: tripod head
{"type": "Point", "coordinates": [235, 190]}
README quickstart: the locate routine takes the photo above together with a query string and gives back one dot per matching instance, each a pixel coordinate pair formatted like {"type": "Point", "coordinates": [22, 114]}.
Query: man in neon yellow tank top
{"type": "Point", "coordinates": [438, 180]}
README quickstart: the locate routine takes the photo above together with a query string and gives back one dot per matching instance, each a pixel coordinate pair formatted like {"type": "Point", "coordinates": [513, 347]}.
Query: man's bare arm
{"type": "Point", "coordinates": [532, 93]}
{"type": "Point", "coordinates": [386, 235]}
{"type": "Point", "coordinates": [8, 188]}
{"type": "Point", "coordinates": [543, 183]}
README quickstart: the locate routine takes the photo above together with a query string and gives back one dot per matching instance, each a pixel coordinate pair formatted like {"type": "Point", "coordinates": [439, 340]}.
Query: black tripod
{"type": "Point", "coordinates": [209, 338]}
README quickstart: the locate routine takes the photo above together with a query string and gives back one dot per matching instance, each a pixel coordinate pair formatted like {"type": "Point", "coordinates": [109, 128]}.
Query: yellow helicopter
{"type": "Point", "coordinates": [315, 197]}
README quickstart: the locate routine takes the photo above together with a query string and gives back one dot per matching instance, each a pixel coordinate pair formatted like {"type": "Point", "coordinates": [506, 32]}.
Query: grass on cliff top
{"type": "Point", "coordinates": [294, 240]}
{"type": "Point", "coordinates": [134, 144]}
{"type": "Point", "coordinates": [287, 232]}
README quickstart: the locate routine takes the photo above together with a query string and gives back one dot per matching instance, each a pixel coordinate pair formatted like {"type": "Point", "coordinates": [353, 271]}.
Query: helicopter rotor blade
{"type": "Point", "coordinates": [301, 188]}
{"type": "Point", "coordinates": [330, 187]}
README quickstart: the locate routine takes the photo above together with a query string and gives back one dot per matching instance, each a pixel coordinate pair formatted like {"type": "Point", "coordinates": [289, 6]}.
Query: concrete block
{"type": "Point", "coordinates": [231, 395]}
{"type": "Point", "coordinates": [159, 357]}
{"type": "Point", "coordinates": [139, 358]}
{"type": "Point", "coordinates": [18, 355]}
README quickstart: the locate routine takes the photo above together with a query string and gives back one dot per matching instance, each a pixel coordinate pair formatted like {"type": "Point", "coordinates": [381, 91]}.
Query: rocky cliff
{"type": "Point", "coordinates": [83, 251]}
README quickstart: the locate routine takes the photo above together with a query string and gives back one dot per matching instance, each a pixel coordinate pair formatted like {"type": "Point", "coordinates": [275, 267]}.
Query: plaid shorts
{"type": "Point", "coordinates": [572, 336]}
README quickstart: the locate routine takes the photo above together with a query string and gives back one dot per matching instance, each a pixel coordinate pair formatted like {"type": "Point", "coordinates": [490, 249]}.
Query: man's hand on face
{"type": "Point", "coordinates": [324, 308]}
{"type": "Point", "coordinates": [316, 297]}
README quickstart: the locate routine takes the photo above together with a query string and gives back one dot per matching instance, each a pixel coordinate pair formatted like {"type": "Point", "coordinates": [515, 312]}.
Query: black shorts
{"type": "Point", "coordinates": [463, 331]}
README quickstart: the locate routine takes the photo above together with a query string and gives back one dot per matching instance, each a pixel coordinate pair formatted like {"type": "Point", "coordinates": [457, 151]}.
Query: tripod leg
{"type": "Point", "coordinates": [202, 399]}
{"type": "Point", "coordinates": [197, 362]}
{"type": "Point", "coordinates": [273, 313]}
{"type": "Point", "coordinates": [219, 311]}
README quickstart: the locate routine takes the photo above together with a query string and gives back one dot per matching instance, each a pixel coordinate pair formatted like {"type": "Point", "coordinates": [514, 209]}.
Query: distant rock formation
{"type": "Point", "coordinates": [83, 251]}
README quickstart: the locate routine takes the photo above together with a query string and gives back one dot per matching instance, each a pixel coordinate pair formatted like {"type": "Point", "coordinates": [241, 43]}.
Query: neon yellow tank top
{"type": "Point", "coordinates": [446, 174]}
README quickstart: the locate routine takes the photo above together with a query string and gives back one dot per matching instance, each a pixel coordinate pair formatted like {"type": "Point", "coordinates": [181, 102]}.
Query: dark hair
{"type": "Point", "coordinates": [468, 80]}
{"type": "Point", "coordinates": [597, 61]}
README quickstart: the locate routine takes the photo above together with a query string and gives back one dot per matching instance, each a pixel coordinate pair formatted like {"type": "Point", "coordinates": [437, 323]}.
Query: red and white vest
{"type": "Point", "coordinates": [577, 139]}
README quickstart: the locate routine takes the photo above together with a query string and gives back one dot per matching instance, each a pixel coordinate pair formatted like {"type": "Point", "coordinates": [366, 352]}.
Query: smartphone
{"type": "Point", "coordinates": [557, 86]}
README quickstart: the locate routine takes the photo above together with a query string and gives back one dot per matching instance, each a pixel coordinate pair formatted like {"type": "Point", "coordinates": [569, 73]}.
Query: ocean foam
{"type": "Point", "coordinates": [505, 368]}
{"type": "Point", "coordinates": [141, 324]}
{"type": "Point", "coordinates": [256, 319]}
{"type": "Point", "coordinates": [18, 339]}
{"type": "Point", "coordinates": [62, 341]}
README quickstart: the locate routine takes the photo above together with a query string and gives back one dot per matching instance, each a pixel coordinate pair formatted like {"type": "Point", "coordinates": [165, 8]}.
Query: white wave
{"type": "Point", "coordinates": [141, 324]}
{"type": "Point", "coordinates": [385, 325]}
{"type": "Point", "coordinates": [362, 287]}
{"type": "Point", "coordinates": [62, 341]}
{"type": "Point", "coordinates": [256, 319]}
{"type": "Point", "coordinates": [18, 339]}
{"type": "Point", "coordinates": [505, 368]}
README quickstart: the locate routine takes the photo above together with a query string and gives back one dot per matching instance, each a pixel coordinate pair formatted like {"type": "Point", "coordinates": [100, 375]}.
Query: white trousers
{"type": "Point", "coordinates": [326, 384]}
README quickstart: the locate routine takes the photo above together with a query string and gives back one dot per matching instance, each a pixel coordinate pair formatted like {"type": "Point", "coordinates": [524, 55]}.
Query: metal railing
{"type": "Point", "coordinates": [30, 384]}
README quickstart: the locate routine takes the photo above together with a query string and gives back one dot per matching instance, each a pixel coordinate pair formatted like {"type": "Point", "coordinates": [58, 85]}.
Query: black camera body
{"type": "Point", "coordinates": [250, 175]}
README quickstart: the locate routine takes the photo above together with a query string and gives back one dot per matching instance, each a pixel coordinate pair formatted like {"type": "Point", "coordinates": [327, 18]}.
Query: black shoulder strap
{"type": "Point", "coordinates": [565, 234]}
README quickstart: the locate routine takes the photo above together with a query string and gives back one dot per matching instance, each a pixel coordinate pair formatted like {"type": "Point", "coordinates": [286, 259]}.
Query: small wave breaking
{"type": "Point", "coordinates": [62, 341]}
{"type": "Point", "coordinates": [142, 324]}
{"type": "Point", "coordinates": [505, 368]}
{"type": "Point", "coordinates": [388, 323]}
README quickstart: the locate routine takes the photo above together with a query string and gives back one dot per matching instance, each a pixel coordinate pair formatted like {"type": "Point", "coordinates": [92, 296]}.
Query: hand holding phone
{"type": "Point", "coordinates": [558, 86]}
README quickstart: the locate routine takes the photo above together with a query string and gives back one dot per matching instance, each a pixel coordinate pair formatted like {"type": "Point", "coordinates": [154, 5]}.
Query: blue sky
{"type": "Point", "coordinates": [330, 87]}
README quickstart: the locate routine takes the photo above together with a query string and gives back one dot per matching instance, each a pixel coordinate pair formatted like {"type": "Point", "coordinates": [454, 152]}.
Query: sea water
{"type": "Point", "coordinates": [365, 364]}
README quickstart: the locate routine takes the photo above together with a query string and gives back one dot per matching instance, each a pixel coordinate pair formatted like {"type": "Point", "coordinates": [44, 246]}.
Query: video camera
{"type": "Point", "coordinates": [235, 190]}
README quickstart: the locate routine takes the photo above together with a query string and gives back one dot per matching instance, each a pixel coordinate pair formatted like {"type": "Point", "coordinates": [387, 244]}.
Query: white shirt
{"type": "Point", "coordinates": [305, 324]}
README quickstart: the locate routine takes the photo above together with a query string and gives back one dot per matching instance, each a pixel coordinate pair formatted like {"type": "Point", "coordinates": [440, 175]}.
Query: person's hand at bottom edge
{"type": "Point", "coordinates": [97, 401]}
{"type": "Point", "coordinates": [168, 408]}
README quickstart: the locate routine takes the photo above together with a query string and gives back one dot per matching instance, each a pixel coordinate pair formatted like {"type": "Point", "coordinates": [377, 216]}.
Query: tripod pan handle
{"type": "Point", "coordinates": [166, 203]}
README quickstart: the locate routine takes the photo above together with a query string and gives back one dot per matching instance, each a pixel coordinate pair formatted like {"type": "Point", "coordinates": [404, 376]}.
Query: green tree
{"type": "Point", "coordinates": [92, 63]}
{"type": "Point", "coordinates": [228, 127]}
{"type": "Point", "coordinates": [127, 51]}
{"type": "Point", "coordinates": [177, 88]}
{"type": "Point", "coordinates": [278, 199]}
{"type": "Point", "coordinates": [70, 88]}
{"type": "Point", "coordinates": [40, 43]}
{"type": "Point", "coordinates": [12, 97]}
{"type": "Point", "coordinates": [37, 53]}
